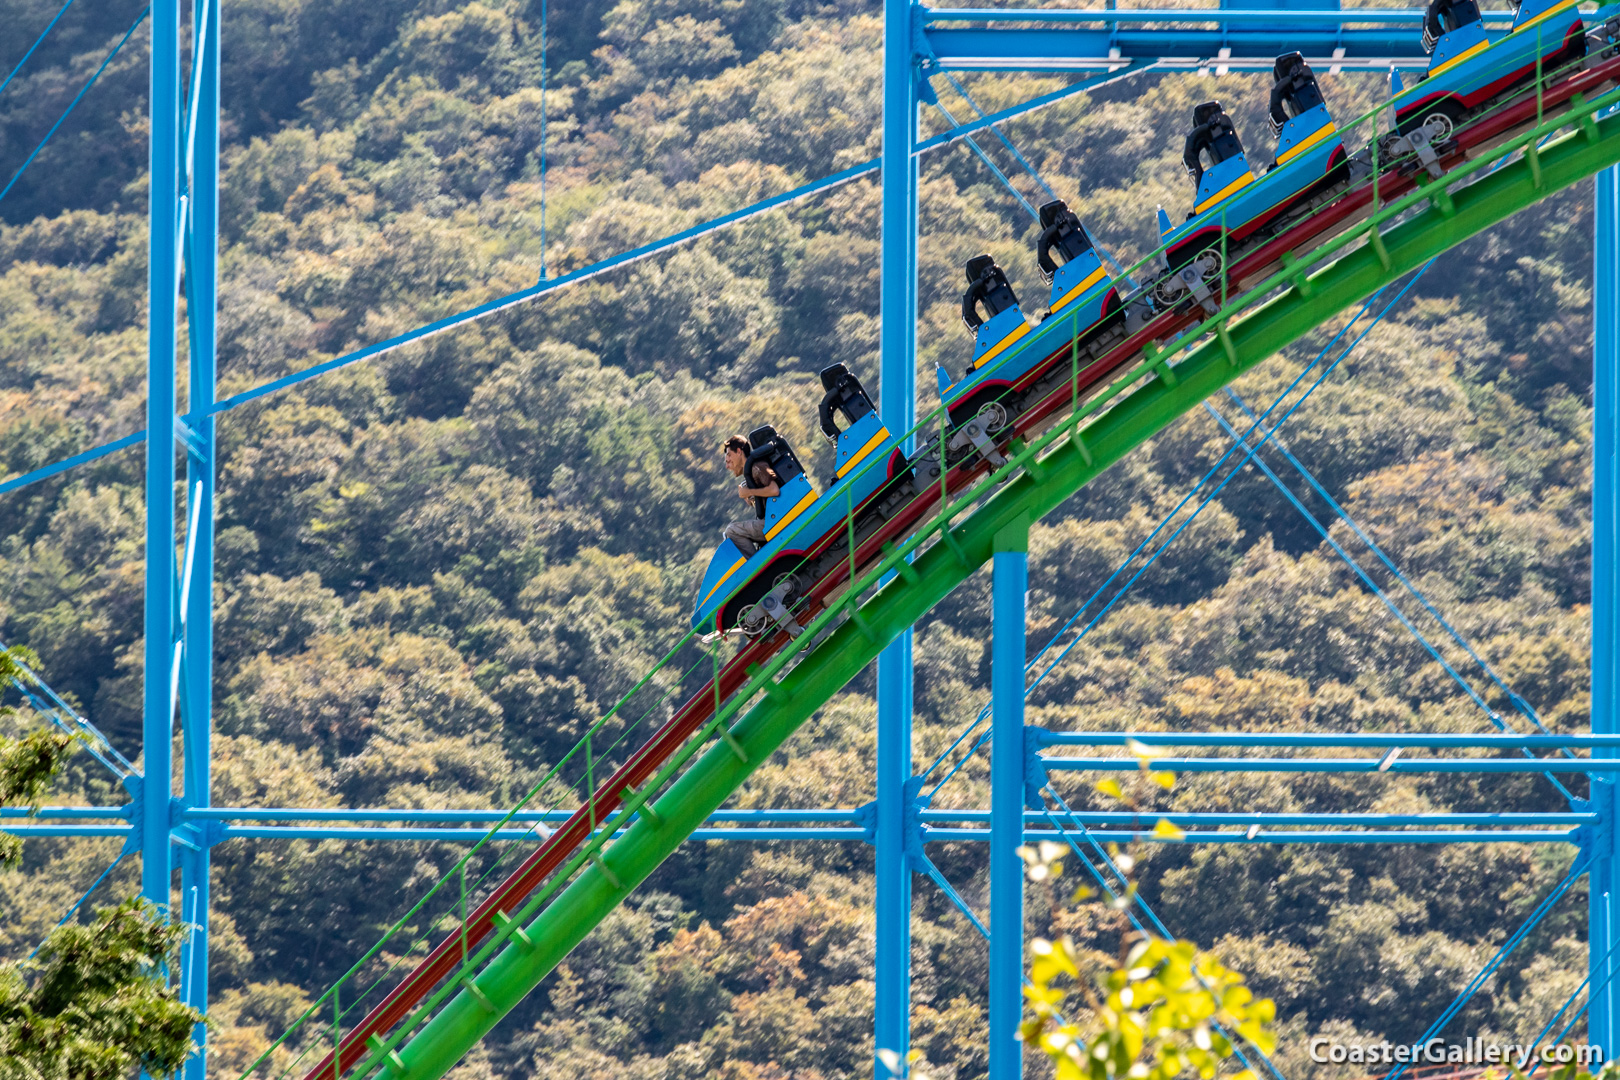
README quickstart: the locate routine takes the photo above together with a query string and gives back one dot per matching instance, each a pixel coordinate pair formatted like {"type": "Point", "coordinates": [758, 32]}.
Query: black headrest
{"type": "Point", "coordinates": [978, 266]}
{"type": "Point", "coordinates": [760, 436]}
{"type": "Point", "coordinates": [1288, 65]}
{"type": "Point", "coordinates": [1209, 110]}
{"type": "Point", "coordinates": [845, 394]}
{"type": "Point", "coordinates": [988, 284]}
{"type": "Point", "coordinates": [1061, 231]}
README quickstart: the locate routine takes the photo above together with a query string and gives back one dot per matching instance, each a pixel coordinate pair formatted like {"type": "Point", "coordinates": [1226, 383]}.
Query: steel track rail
{"type": "Point", "coordinates": [531, 951]}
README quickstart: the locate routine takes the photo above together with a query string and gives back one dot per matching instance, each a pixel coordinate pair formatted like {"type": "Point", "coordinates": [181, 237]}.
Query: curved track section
{"type": "Point", "coordinates": [455, 997]}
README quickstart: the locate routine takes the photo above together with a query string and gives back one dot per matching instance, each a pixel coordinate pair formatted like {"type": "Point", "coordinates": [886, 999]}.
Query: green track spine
{"type": "Point", "coordinates": [519, 968]}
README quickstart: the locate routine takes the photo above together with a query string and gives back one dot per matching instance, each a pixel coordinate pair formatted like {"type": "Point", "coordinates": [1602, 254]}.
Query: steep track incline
{"type": "Point", "coordinates": [797, 681]}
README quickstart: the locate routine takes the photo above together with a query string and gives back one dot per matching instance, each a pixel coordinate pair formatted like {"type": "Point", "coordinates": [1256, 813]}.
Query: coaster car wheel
{"type": "Point", "coordinates": [1172, 287]}
{"type": "Point", "coordinates": [753, 620]}
{"type": "Point", "coordinates": [992, 417]}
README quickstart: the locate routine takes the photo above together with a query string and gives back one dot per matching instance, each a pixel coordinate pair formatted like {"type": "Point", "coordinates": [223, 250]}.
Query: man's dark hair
{"type": "Point", "coordinates": [737, 442]}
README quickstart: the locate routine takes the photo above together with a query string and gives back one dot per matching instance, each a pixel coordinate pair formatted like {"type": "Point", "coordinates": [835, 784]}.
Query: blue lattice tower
{"type": "Point", "coordinates": [1604, 932]}
{"type": "Point", "coordinates": [183, 247]}
{"type": "Point", "coordinates": [898, 404]}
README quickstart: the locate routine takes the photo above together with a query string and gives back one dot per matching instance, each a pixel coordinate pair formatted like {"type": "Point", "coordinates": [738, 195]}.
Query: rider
{"type": "Point", "coordinates": [749, 533]}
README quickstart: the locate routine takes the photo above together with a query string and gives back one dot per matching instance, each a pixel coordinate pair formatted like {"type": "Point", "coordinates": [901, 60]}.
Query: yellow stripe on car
{"type": "Point", "coordinates": [722, 580]}
{"type": "Point", "coordinates": [810, 497]}
{"type": "Point", "coordinates": [1311, 140]}
{"type": "Point", "coordinates": [1549, 13]}
{"type": "Point", "coordinates": [1237, 185]}
{"type": "Point", "coordinates": [1455, 60]}
{"type": "Point", "coordinates": [1023, 328]}
{"type": "Point", "coordinates": [1095, 276]}
{"type": "Point", "coordinates": [882, 433]}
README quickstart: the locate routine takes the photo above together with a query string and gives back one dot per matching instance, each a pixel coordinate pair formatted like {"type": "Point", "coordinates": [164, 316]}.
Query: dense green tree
{"type": "Point", "coordinates": [92, 1004]}
{"type": "Point", "coordinates": [27, 764]}
{"type": "Point", "coordinates": [90, 1001]}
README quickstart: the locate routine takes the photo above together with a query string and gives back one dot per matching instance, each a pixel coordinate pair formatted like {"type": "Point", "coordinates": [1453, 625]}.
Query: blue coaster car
{"type": "Point", "coordinates": [1081, 290]}
{"type": "Point", "coordinates": [995, 330]}
{"type": "Point", "coordinates": [756, 592]}
{"type": "Point", "coordinates": [1080, 278]}
{"type": "Point", "coordinates": [1467, 70]}
{"type": "Point", "coordinates": [1231, 200]}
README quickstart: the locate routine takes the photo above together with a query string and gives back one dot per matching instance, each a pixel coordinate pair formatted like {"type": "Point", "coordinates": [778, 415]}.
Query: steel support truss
{"type": "Point", "coordinates": [1241, 36]}
{"type": "Point", "coordinates": [183, 255]}
{"type": "Point", "coordinates": [175, 830]}
{"type": "Point", "coordinates": [1604, 916]}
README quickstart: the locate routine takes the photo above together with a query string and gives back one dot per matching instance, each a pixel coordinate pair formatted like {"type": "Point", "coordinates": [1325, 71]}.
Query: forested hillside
{"type": "Point", "coordinates": [438, 568]}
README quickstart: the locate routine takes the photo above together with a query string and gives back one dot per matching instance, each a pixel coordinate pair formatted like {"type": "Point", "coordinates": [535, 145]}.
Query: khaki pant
{"type": "Point", "coordinates": [748, 535]}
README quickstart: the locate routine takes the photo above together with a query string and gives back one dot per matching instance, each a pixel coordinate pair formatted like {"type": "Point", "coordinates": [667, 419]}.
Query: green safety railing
{"type": "Point", "coordinates": [1040, 476]}
{"type": "Point", "coordinates": [1238, 343]}
{"type": "Point", "coordinates": [458, 873]}
{"type": "Point", "coordinates": [1369, 126]}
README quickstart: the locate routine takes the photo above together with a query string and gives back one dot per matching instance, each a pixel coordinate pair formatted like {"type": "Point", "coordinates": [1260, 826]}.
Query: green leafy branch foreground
{"type": "Point", "coordinates": [93, 1002]}
{"type": "Point", "coordinates": [28, 764]}
{"type": "Point", "coordinates": [1161, 1011]}
{"type": "Point", "coordinates": [1164, 1008]}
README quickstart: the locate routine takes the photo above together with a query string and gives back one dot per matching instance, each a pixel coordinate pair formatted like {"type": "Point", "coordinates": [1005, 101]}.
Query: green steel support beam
{"type": "Point", "coordinates": [601, 886]}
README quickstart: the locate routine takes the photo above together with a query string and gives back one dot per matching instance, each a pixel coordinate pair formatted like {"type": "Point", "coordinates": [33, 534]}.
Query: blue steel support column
{"type": "Point", "coordinates": [1603, 929]}
{"type": "Point", "coordinates": [892, 1014]}
{"type": "Point", "coordinates": [1007, 767]}
{"type": "Point", "coordinates": [161, 310]}
{"type": "Point", "coordinates": [202, 242]}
